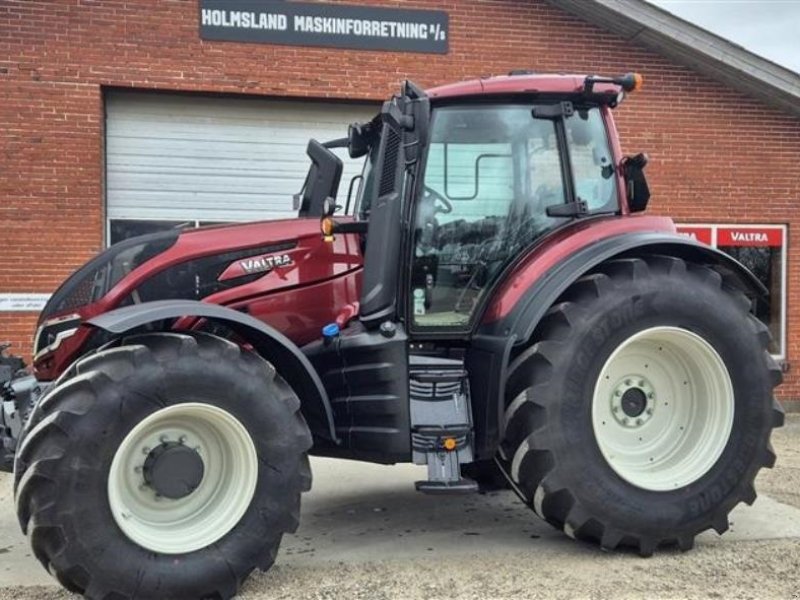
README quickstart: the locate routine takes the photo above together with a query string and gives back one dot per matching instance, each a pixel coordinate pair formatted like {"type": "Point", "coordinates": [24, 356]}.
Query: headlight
{"type": "Point", "coordinates": [52, 332]}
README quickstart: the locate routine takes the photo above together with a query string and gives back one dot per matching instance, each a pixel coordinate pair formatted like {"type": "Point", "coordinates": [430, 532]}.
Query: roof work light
{"type": "Point", "coordinates": [630, 82]}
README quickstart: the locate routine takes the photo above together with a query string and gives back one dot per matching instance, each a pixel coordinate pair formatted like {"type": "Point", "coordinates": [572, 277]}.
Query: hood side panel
{"type": "Point", "coordinates": [300, 313]}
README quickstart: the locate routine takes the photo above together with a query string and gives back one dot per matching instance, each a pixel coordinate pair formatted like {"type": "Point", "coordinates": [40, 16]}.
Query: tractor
{"type": "Point", "coordinates": [487, 300]}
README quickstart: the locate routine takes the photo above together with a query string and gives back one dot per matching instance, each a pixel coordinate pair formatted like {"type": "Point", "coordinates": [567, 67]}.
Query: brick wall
{"type": "Point", "coordinates": [717, 155]}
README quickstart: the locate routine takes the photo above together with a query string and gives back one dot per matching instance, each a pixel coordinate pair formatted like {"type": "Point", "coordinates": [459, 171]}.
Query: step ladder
{"type": "Point", "coordinates": [441, 424]}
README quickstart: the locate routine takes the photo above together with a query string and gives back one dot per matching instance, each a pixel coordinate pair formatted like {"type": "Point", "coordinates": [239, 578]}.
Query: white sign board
{"type": "Point", "coordinates": [27, 302]}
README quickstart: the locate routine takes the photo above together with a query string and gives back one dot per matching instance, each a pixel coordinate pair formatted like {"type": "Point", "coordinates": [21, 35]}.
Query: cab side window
{"type": "Point", "coordinates": [591, 159]}
{"type": "Point", "coordinates": [490, 174]}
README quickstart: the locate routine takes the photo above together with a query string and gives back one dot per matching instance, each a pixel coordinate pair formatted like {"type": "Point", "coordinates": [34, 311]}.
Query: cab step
{"type": "Point", "coordinates": [462, 486]}
{"type": "Point", "coordinates": [441, 427]}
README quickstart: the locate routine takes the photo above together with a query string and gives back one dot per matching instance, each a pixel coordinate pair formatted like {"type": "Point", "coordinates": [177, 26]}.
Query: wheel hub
{"type": "Point", "coordinates": [633, 401]}
{"type": "Point", "coordinates": [173, 470]}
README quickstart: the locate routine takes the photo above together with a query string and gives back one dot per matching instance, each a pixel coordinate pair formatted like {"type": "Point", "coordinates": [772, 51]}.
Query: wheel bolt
{"type": "Point", "coordinates": [145, 450]}
{"type": "Point", "coordinates": [649, 411]}
{"type": "Point", "coordinates": [639, 421]}
{"type": "Point", "coordinates": [182, 439]}
{"type": "Point", "coordinates": [641, 383]}
{"type": "Point", "coordinates": [163, 439]}
{"type": "Point", "coordinates": [618, 393]}
{"type": "Point", "coordinates": [615, 409]}
{"type": "Point", "coordinates": [627, 382]}
{"type": "Point", "coordinates": [651, 395]}
{"type": "Point", "coordinates": [625, 421]}
{"type": "Point", "coordinates": [137, 469]}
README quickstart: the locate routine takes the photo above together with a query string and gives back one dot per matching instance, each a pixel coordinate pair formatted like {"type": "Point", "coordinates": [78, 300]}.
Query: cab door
{"type": "Point", "coordinates": [491, 172]}
{"type": "Point", "coordinates": [496, 179]}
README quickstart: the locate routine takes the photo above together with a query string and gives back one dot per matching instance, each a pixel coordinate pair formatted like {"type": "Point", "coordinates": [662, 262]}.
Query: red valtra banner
{"type": "Point", "coordinates": [749, 236]}
{"type": "Point", "coordinates": [701, 234]}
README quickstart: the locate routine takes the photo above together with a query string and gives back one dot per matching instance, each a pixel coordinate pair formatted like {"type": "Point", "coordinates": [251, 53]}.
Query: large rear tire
{"type": "Point", "coordinates": [642, 411]}
{"type": "Point", "coordinates": [167, 467]}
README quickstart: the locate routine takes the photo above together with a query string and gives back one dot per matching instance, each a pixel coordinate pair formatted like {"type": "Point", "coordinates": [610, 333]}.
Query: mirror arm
{"type": "Point", "coordinates": [337, 143]}
{"type": "Point", "coordinates": [330, 227]}
{"type": "Point", "coordinates": [350, 227]}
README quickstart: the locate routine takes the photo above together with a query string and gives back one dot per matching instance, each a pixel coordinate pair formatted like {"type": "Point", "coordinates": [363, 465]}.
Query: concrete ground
{"type": "Point", "coordinates": [366, 534]}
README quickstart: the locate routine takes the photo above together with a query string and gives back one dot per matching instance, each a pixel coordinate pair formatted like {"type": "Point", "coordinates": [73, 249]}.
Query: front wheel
{"type": "Point", "coordinates": [642, 412]}
{"type": "Point", "coordinates": [169, 466]}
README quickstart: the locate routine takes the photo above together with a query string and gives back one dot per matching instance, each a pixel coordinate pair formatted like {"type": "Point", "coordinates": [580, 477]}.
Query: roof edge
{"type": "Point", "coordinates": [714, 56]}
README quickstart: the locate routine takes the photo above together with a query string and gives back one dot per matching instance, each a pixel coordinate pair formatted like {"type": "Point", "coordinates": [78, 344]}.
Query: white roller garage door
{"type": "Point", "coordinates": [205, 159]}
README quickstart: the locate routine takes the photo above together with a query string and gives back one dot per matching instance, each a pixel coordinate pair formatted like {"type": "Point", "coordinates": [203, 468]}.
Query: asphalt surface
{"type": "Point", "coordinates": [365, 533]}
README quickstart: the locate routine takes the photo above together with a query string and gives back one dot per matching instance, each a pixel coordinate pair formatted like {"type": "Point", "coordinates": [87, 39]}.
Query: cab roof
{"type": "Point", "coordinates": [523, 83]}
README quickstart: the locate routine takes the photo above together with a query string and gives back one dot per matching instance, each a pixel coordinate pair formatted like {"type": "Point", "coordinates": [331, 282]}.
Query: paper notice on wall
{"type": "Point", "coordinates": [23, 302]}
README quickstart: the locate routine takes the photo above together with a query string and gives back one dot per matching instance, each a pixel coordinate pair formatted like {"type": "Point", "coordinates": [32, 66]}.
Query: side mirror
{"type": "Point", "coordinates": [322, 180]}
{"type": "Point", "coordinates": [356, 141]}
{"type": "Point", "coordinates": [637, 190]}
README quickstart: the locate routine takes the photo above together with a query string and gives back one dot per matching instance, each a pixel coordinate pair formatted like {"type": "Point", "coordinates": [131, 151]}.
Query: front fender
{"type": "Point", "coordinates": [287, 358]}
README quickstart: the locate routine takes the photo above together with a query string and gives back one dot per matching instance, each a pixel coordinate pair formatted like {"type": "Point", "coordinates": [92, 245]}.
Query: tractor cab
{"type": "Point", "coordinates": [457, 187]}
{"type": "Point", "coordinates": [478, 180]}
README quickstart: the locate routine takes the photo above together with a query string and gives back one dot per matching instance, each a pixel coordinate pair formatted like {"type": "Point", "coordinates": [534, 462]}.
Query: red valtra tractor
{"type": "Point", "coordinates": [490, 302]}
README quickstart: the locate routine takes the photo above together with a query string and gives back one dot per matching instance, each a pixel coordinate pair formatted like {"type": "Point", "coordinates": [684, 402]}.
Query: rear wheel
{"type": "Point", "coordinates": [169, 466]}
{"type": "Point", "coordinates": [642, 412]}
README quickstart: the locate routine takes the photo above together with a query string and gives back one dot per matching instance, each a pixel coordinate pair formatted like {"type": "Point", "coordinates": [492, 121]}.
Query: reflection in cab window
{"type": "Point", "coordinates": [491, 173]}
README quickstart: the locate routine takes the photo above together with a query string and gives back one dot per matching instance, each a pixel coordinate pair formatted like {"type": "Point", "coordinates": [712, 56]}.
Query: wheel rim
{"type": "Point", "coordinates": [213, 508]}
{"type": "Point", "coordinates": [663, 408]}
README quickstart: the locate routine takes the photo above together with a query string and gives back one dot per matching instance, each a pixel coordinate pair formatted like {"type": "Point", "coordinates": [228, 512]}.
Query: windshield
{"type": "Point", "coordinates": [490, 175]}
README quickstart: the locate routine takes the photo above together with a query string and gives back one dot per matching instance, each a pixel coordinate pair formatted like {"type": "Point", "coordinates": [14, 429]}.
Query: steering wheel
{"type": "Point", "coordinates": [431, 193]}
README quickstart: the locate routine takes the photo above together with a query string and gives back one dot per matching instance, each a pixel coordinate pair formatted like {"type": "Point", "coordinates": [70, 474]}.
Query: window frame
{"type": "Point", "coordinates": [784, 229]}
{"type": "Point", "coordinates": [614, 204]}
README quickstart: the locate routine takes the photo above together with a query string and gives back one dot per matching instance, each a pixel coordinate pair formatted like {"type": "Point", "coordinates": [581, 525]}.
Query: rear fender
{"type": "Point", "coordinates": [287, 358]}
{"type": "Point", "coordinates": [522, 319]}
{"type": "Point", "coordinates": [494, 342]}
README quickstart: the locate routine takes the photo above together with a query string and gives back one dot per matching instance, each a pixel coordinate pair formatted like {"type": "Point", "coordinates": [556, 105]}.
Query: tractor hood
{"type": "Point", "coordinates": [222, 264]}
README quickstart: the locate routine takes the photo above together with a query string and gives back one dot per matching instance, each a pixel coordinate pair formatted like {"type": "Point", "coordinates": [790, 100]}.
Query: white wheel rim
{"type": "Point", "coordinates": [687, 407]}
{"type": "Point", "coordinates": [209, 512]}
